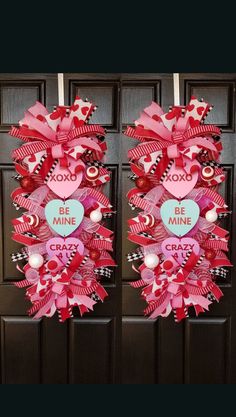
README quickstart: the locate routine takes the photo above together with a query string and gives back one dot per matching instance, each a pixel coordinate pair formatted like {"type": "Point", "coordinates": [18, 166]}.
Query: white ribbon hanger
{"type": "Point", "coordinates": [61, 95]}
{"type": "Point", "coordinates": [176, 89]}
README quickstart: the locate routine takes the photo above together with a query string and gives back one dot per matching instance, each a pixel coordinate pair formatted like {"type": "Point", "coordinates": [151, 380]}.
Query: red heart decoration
{"type": "Point", "coordinates": [32, 158]}
{"type": "Point", "coordinates": [170, 115]}
{"type": "Point", "coordinates": [190, 107]}
{"type": "Point", "coordinates": [55, 115]}
{"type": "Point", "coordinates": [64, 279]}
{"type": "Point", "coordinates": [156, 117]}
{"type": "Point", "coordinates": [77, 122]}
{"type": "Point", "coordinates": [41, 117]}
{"type": "Point", "coordinates": [194, 168]}
{"type": "Point", "coordinates": [200, 110]}
{"type": "Point", "coordinates": [74, 107]}
{"type": "Point", "coordinates": [179, 278]}
{"type": "Point", "coordinates": [147, 158]}
{"type": "Point", "coordinates": [84, 110]}
{"type": "Point", "coordinates": [193, 122]}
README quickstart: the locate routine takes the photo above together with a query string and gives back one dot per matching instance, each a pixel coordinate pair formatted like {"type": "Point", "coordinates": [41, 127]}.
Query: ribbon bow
{"type": "Point", "coordinates": [174, 292]}
{"type": "Point", "coordinates": [62, 133]}
{"type": "Point", "coordinates": [178, 133]}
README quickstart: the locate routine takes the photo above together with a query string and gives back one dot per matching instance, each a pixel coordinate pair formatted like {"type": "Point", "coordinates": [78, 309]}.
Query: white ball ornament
{"type": "Point", "coordinates": [96, 216]}
{"type": "Point", "coordinates": [151, 260]}
{"type": "Point", "coordinates": [211, 216]}
{"type": "Point", "coordinates": [35, 261]}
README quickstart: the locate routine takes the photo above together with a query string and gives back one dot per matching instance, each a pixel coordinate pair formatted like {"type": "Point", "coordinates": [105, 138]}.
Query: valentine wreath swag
{"type": "Point", "coordinates": [61, 175]}
{"type": "Point", "coordinates": [177, 173]}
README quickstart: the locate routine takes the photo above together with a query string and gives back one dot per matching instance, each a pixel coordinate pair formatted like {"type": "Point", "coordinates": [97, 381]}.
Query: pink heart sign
{"type": "Point", "coordinates": [178, 248]}
{"type": "Point", "coordinates": [178, 181]}
{"type": "Point", "coordinates": [62, 182]}
{"type": "Point", "coordinates": [64, 247]}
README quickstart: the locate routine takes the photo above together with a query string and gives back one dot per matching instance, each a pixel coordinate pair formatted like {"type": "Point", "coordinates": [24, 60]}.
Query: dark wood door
{"type": "Point", "coordinates": [83, 350]}
{"type": "Point", "coordinates": [198, 350]}
{"type": "Point", "coordinates": [88, 349]}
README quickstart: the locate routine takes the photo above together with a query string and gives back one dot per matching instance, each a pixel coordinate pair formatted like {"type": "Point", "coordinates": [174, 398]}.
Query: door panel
{"type": "Point", "coordinates": [207, 339]}
{"type": "Point", "coordinates": [135, 331]}
{"type": "Point", "coordinates": [91, 346]}
{"type": "Point", "coordinates": [20, 350]}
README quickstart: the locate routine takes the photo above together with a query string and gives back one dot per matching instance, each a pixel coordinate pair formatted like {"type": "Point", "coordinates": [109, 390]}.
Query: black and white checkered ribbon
{"type": "Point", "coordinates": [133, 207]}
{"type": "Point", "coordinates": [17, 207]}
{"type": "Point", "coordinates": [95, 297]}
{"type": "Point", "coordinates": [105, 272]}
{"type": "Point", "coordinates": [134, 256]}
{"type": "Point", "coordinates": [145, 234]}
{"type": "Point", "coordinates": [132, 177]}
{"type": "Point", "coordinates": [219, 272]}
{"type": "Point", "coordinates": [19, 256]}
{"type": "Point", "coordinates": [211, 164]}
{"type": "Point", "coordinates": [224, 215]}
{"type": "Point", "coordinates": [17, 177]}
{"type": "Point", "coordinates": [211, 297]}
{"type": "Point", "coordinates": [30, 234]}
{"type": "Point", "coordinates": [108, 215]}
{"type": "Point", "coordinates": [97, 164]}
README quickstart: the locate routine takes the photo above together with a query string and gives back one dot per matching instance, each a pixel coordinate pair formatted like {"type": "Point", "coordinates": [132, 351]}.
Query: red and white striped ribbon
{"type": "Point", "coordinates": [145, 149]}
{"type": "Point", "coordinates": [101, 198]}
{"type": "Point", "coordinates": [22, 284]}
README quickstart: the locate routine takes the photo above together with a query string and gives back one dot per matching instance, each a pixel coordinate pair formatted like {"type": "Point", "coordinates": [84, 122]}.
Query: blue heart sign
{"type": "Point", "coordinates": [64, 216]}
{"type": "Point", "coordinates": [179, 216]}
